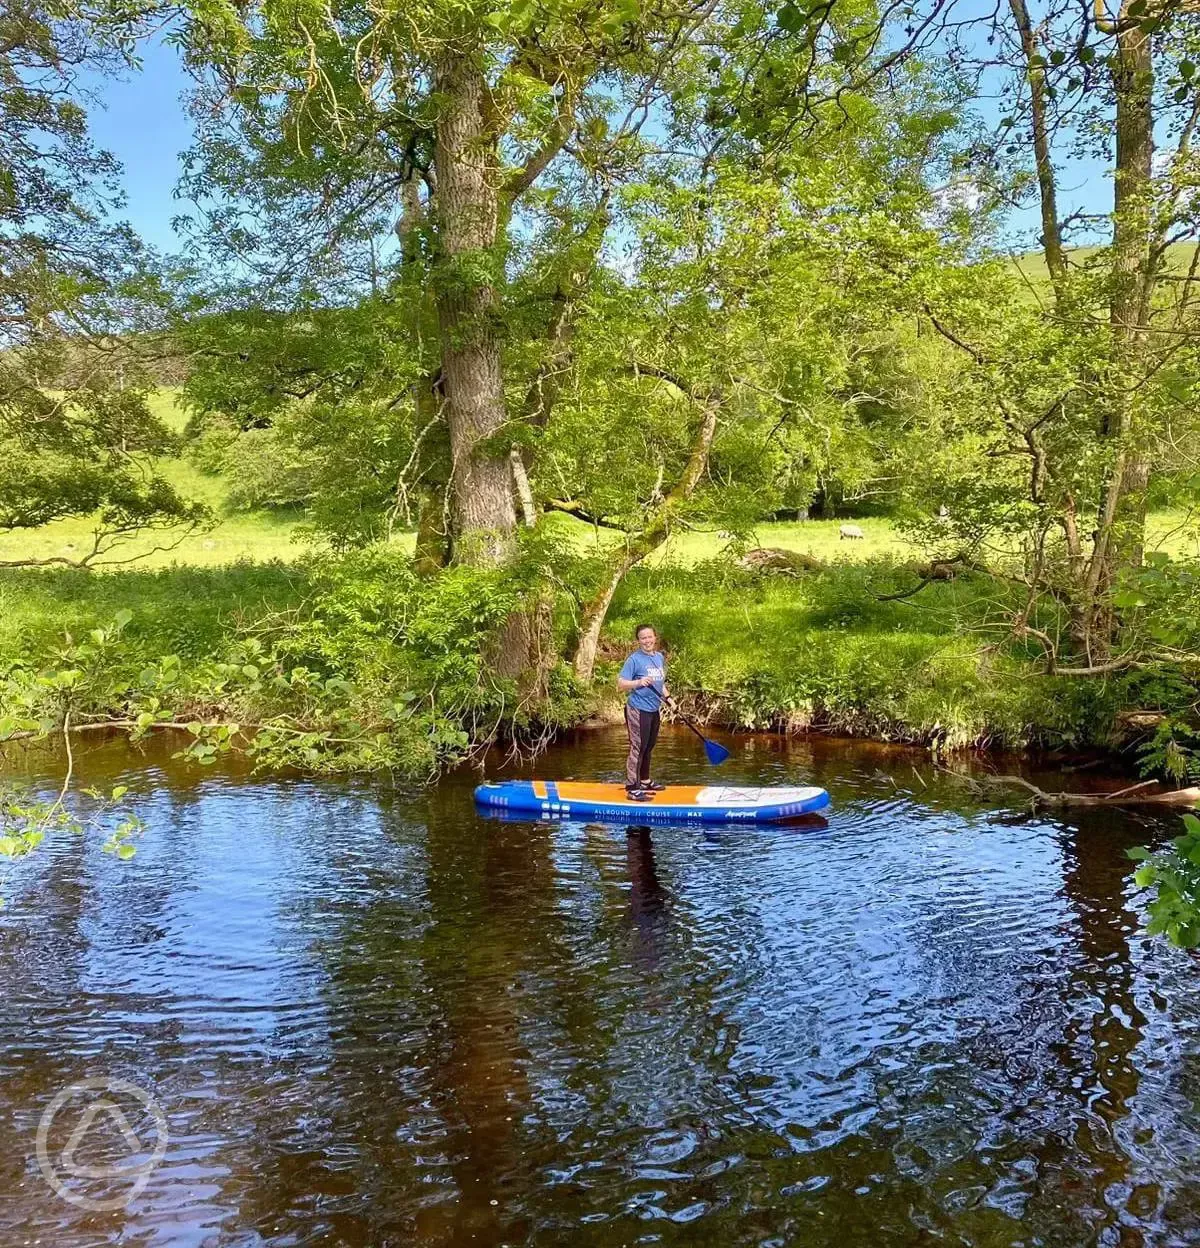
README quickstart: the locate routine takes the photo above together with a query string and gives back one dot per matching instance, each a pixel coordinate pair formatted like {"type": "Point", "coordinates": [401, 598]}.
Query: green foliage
{"type": "Point", "coordinates": [26, 819]}
{"type": "Point", "coordinates": [345, 663]}
{"type": "Point", "coordinates": [822, 652]}
{"type": "Point", "coordinates": [1173, 751]}
{"type": "Point", "coordinates": [318, 413]}
{"type": "Point", "coordinates": [1174, 874]}
{"type": "Point", "coordinates": [77, 291]}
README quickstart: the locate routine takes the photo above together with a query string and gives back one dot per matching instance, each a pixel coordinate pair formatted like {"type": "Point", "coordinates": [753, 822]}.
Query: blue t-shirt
{"type": "Point", "coordinates": [640, 664]}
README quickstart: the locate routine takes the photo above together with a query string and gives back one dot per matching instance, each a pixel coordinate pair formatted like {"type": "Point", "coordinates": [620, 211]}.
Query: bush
{"type": "Point", "coordinates": [1174, 874]}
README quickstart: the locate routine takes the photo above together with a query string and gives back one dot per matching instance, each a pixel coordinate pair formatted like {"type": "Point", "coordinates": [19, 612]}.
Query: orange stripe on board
{"type": "Point", "coordinates": [539, 788]}
{"type": "Point", "coordinates": [579, 791]}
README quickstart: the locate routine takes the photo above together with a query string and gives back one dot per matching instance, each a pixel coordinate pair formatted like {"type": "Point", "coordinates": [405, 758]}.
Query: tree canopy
{"type": "Point", "coordinates": [76, 290]}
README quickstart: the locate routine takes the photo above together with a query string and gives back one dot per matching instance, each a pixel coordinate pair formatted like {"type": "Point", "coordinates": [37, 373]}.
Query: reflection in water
{"type": "Point", "coordinates": [647, 897]}
{"type": "Point", "coordinates": [375, 1019]}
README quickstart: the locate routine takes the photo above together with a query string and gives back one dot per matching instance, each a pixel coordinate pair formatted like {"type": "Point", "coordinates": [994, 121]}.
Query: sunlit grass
{"type": "Point", "coordinates": [260, 536]}
{"type": "Point", "coordinates": [265, 536]}
{"type": "Point", "coordinates": [689, 546]}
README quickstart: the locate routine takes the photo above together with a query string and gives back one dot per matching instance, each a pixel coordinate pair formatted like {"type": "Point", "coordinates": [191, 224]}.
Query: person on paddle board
{"type": "Point", "coordinates": [644, 680]}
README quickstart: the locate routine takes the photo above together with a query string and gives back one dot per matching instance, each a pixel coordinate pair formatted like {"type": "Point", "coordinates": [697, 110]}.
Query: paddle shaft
{"type": "Point", "coordinates": [675, 707]}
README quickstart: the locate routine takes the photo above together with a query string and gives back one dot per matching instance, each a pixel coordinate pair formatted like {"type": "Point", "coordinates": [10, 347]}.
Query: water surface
{"type": "Point", "coordinates": [372, 1017]}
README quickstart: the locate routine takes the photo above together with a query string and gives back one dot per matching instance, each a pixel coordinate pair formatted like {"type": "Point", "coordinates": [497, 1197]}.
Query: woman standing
{"type": "Point", "coordinates": [644, 680]}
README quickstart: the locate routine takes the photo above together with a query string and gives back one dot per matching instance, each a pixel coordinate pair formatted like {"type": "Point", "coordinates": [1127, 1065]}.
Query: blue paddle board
{"type": "Point", "coordinates": [711, 803]}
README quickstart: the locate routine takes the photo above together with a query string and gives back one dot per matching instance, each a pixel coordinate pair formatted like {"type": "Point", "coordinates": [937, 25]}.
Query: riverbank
{"type": "Point", "coordinates": [354, 663]}
{"type": "Point", "coordinates": [828, 651]}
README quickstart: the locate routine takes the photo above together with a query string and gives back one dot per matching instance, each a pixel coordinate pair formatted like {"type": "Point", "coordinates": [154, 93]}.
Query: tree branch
{"type": "Point", "coordinates": [569, 507]}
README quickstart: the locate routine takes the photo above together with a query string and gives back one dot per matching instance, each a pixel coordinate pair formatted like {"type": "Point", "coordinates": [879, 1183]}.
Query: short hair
{"type": "Point", "coordinates": [637, 632]}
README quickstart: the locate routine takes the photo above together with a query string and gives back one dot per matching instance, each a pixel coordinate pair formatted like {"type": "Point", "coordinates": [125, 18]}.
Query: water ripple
{"type": "Point", "coordinates": [374, 1019]}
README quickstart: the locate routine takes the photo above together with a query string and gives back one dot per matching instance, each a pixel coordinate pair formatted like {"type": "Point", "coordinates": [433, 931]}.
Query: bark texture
{"type": "Point", "coordinates": [467, 205]}
{"type": "Point", "coordinates": [1119, 536]}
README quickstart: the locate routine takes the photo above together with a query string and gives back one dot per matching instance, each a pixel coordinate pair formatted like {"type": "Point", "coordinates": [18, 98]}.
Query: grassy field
{"type": "Point", "coordinates": [1032, 265]}
{"type": "Point", "coordinates": [1175, 532]}
{"type": "Point", "coordinates": [256, 536]}
{"type": "Point", "coordinates": [259, 536]}
{"type": "Point", "coordinates": [268, 536]}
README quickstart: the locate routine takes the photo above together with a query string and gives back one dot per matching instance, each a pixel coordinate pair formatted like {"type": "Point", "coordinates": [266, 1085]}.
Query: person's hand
{"type": "Point", "coordinates": [647, 681]}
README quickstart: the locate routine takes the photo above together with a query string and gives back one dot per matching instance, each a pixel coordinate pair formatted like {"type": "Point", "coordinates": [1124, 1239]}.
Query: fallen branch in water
{"type": "Point", "coordinates": [1134, 795]}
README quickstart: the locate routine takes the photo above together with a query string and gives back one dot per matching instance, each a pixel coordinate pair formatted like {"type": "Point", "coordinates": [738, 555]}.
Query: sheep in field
{"type": "Point", "coordinates": [849, 530]}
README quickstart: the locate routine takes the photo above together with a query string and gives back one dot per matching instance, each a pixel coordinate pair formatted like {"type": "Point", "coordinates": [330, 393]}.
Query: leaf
{"type": "Point", "coordinates": [10, 847]}
{"type": "Point", "coordinates": [1139, 853]}
{"type": "Point", "coordinates": [1187, 69]}
{"type": "Point", "coordinates": [119, 792]}
{"type": "Point", "coordinates": [1127, 599]}
{"type": "Point", "coordinates": [125, 852]}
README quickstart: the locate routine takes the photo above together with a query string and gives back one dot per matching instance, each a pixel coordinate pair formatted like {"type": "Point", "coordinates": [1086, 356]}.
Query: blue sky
{"type": "Point", "coordinates": [143, 122]}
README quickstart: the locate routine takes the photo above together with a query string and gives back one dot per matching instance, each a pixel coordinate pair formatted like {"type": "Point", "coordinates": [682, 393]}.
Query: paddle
{"type": "Point", "coordinates": [716, 754]}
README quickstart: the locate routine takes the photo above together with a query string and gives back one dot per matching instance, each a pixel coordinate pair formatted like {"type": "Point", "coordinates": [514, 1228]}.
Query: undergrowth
{"type": "Point", "coordinates": [354, 662]}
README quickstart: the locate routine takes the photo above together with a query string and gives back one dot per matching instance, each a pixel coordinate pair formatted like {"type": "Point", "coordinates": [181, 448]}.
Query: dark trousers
{"type": "Point", "coordinates": [643, 732]}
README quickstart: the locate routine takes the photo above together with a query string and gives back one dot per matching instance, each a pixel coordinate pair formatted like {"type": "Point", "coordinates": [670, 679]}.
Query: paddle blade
{"type": "Point", "coordinates": [717, 754]}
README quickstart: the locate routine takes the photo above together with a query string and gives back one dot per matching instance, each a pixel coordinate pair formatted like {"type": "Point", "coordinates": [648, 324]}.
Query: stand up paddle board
{"type": "Point", "coordinates": [713, 803]}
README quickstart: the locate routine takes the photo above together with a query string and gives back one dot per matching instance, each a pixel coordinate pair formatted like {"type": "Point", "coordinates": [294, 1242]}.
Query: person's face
{"type": "Point", "coordinates": [648, 640]}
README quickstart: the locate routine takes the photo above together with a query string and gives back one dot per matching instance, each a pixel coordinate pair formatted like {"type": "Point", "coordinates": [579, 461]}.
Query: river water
{"type": "Point", "coordinates": [373, 1017]}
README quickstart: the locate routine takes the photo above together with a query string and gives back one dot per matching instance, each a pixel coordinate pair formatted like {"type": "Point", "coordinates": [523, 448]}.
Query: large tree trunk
{"type": "Point", "coordinates": [467, 205]}
{"type": "Point", "coordinates": [484, 520]}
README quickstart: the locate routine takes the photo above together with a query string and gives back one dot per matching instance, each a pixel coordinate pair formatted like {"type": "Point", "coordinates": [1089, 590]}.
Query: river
{"type": "Point", "coordinates": [370, 1016]}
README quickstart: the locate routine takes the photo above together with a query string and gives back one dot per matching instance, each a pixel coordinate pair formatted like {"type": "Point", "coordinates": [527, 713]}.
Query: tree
{"type": "Point", "coordinates": [75, 288]}
{"type": "Point", "coordinates": [472, 169]}
{"type": "Point", "coordinates": [1075, 378]}
{"type": "Point", "coordinates": [439, 120]}
{"type": "Point", "coordinates": [736, 367]}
